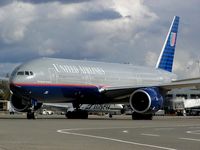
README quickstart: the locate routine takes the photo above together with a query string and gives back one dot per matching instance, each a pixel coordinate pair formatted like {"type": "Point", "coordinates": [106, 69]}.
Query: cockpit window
{"type": "Point", "coordinates": [20, 73]}
{"type": "Point", "coordinates": [27, 73]}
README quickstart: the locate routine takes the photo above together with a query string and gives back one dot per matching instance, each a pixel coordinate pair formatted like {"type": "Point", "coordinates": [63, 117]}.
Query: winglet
{"type": "Point", "coordinates": [166, 58]}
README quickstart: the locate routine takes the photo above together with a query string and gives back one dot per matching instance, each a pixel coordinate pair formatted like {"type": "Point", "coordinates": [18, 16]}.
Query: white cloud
{"type": "Point", "coordinates": [14, 19]}
{"type": "Point", "coordinates": [186, 65]}
{"type": "Point", "coordinates": [115, 30]}
{"type": "Point", "coordinates": [72, 32]}
{"type": "Point", "coordinates": [47, 48]}
{"type": "Point", "coordinates": [151, 58]}
{"type": "Point", "coordinates": [7, 68]}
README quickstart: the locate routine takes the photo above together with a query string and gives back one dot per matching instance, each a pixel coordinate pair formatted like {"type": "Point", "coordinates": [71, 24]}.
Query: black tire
{"type": "Point", "coordinates": [138, 116]}
{"type": "Point", "coordinates": [31, 115]}
{"type": "Point", "coordinates": [77, 114]}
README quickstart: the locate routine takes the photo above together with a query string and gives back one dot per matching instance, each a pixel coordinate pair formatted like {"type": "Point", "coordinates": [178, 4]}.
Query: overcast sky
{"type": "Point", "coordinates": [104, 30]}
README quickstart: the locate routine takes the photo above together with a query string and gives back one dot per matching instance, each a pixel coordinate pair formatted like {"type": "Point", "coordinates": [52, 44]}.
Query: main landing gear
{"type": "Point", "coordinates": [138, 116]}
{"type": "Point", "coordinates": [77, 113]}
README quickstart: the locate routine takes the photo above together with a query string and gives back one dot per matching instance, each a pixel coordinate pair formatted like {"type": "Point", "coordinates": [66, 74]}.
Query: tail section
{"type": "Point", "coordinates": [166, 57]}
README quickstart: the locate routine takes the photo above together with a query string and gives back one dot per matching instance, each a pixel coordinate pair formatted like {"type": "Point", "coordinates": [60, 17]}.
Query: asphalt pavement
{"type": "Point", "coordinates": [98, 133]}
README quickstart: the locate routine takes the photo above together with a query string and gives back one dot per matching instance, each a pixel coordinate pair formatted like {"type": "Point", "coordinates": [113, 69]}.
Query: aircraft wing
{"type": "Point", "coordinates": [105, 108]}
{"type": "Point", "coordinates": [121, 93]}
{"type": "Point", "coordinates": [124, 92]}
{"type": "Point", "coordinates": [57, 105]}
{"type": "Point", "coordinates": [191, 82]}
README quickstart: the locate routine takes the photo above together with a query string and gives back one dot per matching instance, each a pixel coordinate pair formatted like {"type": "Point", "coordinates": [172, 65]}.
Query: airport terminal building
{"type": "Point", "coordinates": [180, 101]}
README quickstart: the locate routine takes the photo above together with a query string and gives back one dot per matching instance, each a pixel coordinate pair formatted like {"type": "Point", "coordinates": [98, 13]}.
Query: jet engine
{"type": "Point", "coordinates": [23, 104]}
{"type": "Point", "coordinates": [146, 100]}
{"type": "Point", "coordinates": [19, 104]}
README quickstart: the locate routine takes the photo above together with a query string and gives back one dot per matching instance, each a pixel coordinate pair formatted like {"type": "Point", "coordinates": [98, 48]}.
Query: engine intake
{"type": "Point", "coordinates": [21, 100]}
{"type": "Point", "coordinates": [19, 104]}
{"type": "Point", "coordinates": [146, 100]}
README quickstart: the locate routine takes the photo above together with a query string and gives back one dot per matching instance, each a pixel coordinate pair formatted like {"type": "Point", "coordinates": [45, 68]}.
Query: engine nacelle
{"type": "Point", "coordinates": [19, 104]}
{"type": "Point", "coordinates": [146, 100]}
{"type": "Point", "coordinates": [23, 104]}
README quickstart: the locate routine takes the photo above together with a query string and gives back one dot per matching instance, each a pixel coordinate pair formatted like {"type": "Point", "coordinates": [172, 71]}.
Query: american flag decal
{"type": "Point", "coordinates": [172, 39]}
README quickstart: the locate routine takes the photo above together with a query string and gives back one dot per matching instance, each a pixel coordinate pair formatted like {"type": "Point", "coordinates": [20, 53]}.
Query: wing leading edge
{"type": "Point", "coordinates": [124, 92]}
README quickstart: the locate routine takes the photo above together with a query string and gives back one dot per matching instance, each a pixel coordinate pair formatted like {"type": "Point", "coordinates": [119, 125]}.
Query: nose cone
{"type": "Point", "coordinates": [17, 87]}
{"type": "Point", "coordinates": [13, 85]}
{"type": "Point", "coordinates": [13, 75]}
{"type": "Point", "coordinates": [14, 81]}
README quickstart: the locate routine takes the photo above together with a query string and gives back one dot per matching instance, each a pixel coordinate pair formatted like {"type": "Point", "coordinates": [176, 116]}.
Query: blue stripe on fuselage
{"type": "Point", "coordinates": [61, 92]}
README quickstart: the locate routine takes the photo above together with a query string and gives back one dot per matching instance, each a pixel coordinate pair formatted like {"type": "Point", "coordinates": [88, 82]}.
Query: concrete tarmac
{"type": "Point", "coordinates": [99, 133]}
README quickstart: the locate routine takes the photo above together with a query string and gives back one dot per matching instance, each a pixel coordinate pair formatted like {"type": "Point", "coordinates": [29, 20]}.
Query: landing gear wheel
{"type": "Point", "coordinates": [31, 115]}
{"type": "Point", "coordinates": [138, 116]}
{"type": "Point", "coordinates": [77, 114]}
{"type": "Point", "coordinates": [110, 115]}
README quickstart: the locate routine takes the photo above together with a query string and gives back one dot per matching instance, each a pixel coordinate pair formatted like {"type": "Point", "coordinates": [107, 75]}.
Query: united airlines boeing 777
{"type": "Point", "coordinates": [89, 82]}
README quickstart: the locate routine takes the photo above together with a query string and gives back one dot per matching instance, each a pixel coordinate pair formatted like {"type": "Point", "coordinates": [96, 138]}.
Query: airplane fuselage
{"type": "Point", "coordinates": [63, 80]}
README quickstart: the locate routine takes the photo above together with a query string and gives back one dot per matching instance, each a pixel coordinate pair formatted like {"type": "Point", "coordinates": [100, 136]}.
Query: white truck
{"type": "Point", "coordinates": [47, 112]}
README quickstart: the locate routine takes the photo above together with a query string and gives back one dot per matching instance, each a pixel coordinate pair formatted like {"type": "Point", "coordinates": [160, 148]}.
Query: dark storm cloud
{"type": "Point", "coordinates": [50, 1]}
{"type": "Point", "coordinates": [102, 15]}
{"type": "Point", "coordinates": [6, 2]}
{"type": "Point", "coordinates": [17, 53]}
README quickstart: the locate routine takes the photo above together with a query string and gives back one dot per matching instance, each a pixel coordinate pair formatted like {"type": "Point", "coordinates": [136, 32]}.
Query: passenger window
{"type": "Point", "coordinates": [27, 73]}
{"type": "Point", "coordinates": [31, 73]}
{"type": "Point", "coordinates": [20, 73]}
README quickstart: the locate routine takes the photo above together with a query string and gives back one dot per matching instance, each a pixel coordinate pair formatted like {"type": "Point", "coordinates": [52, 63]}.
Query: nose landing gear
{"type": "Point", "coordinates": [31, 111]}
{"type": "Point", "coordinates": [31, 114]}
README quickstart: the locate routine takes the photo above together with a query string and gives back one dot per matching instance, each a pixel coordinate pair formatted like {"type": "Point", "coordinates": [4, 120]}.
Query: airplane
{"type": "Point", "coordinates": [53, 80]}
